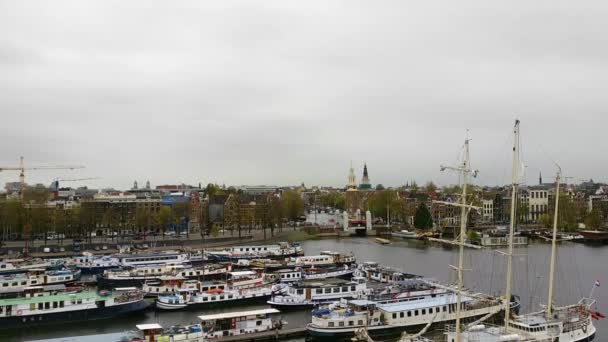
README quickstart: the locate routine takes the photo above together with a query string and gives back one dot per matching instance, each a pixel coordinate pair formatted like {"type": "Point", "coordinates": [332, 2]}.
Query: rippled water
{"type": "Point", "coordinates": [577, 268]}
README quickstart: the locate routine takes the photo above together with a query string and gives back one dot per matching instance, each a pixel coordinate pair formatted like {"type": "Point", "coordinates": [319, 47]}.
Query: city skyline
{"type": "Point", "coordinates": [284, 93]}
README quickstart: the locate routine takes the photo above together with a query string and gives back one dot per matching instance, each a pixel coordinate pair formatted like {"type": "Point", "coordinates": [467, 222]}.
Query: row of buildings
{"type": "Point", "coordinates": [535, 203]}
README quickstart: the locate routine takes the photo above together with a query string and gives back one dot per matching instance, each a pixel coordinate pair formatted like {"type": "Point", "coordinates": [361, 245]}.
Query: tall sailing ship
{"type": "Point", "coordinates": [572, 323]}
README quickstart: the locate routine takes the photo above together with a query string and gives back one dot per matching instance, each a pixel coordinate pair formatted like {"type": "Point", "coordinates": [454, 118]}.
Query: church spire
{"type": "Point", "coordinates": [352, 183]}
{"type": "Point", "coordinates": [365, 184]}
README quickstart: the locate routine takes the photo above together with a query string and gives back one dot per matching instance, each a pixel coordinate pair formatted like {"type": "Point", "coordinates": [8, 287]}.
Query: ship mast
{"type": "Point", "coordinates": [465, 171]}
{"type": "Point", "coordinates": [553, 247]}
{"type": "Point", "coordinates": [514, 178]}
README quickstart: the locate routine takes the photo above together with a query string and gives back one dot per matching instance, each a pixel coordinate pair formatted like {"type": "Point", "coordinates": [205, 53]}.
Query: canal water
{"type": "Point", "coordinates": [578, 266]}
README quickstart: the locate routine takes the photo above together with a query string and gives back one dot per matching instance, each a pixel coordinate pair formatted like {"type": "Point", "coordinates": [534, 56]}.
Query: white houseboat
{"type": "Point", "coordinates": [326, 258]}
{"type": "Point", "coordinates": [153, 259]}
{"type": "Point", "coordinates": [279, 250]}
{"type": "Point", "coordinates": [168, 285]}
{"type": "Point", "coordinates": [214, 296]}
{"type": "Point", "coordinates": [387, 319]}
{"type": "Point", "coordinates": [311, 293]}
{"type": "Point", "coordinates": [239, 323]}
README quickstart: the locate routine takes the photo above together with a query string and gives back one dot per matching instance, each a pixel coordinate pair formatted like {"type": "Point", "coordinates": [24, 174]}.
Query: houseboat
{"type": "Point", "coordinates": [15, 283]}
{"type": "Point", "coordinates": [284, 276]}
{"type": "Point", "coordinates": [12, 266]}
{"type": "Point", "coordinates": [153, 259]}
{"type": "Point", "coordinates": [246, 279]}
{"type": "Point", "coordinates": [312, 273]}
{"type": "Point", "coordinates": [206, 272]}
{"type": "Point", "coordinates": [326, 258]}
{"type": "Point", "coordinates": [220, 325]}
{"type": "Point", "coordinates": [215, 295]}
{"type": "Point", "coordinates": [93, 264]}
{"type": "Point", "coordinates": [136, 276]}
{"type": "Point", "coordinates": [308, 294]}
{"type": "Point", "coordinates": [56, 307]}
{"type": "Point", "coordinates": [388, 319]}
{"type": "Point", "coordinates": [383, 274]}
{"type": "Point", "coordinates": [154, 332]}
{"type": "Point", "coordinates": [168, 285]}
{"type": "Point", "coordinates": [502, 241]}
{"type": "Point", "coordinates": [279, 250]}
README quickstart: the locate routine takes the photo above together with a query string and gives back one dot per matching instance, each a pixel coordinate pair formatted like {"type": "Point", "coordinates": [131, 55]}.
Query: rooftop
{"type": "Point", "coordinates": [238, 314]}
{"type": "Point", "coordinates": [421, 304]}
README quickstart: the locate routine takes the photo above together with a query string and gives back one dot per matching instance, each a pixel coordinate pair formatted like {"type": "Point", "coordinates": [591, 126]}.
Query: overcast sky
{"type": "Point", "coordinates": [284, 92]}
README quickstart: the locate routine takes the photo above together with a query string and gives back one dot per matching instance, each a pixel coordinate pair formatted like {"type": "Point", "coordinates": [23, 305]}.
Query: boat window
{"type": "Point", "coordinates": [300, 291]}
{"type": "Point", "coordinates": [47, 305]}
{"type": "Point", "coordinates": [394, 315]}
{"type": "Point", "coordinates": [319, 291]}
{"type": "Point", "coordinates": [221, 297]}
{"type": "Point", "coordinates": [330, 324]}
{"type": "Point", "coordinates": [352, 288]}
{"type": "Point", "coordinates": [327, 290]}
{"type": "Point", "coordinates": [424, 311]}
{"type": "Point", "coordinates": [336, 289]}
{"type": "Point", "coordinates": [205, 289]}
{"type": "Point", "coordinates": [416, 313]}
{"type": "Point", "coordinates": [345, 289]}
{"type": "Point", "coordinates": [32, 307]}
{"type": "Point", "coordinates": [61, 304]}
{"type": "Point", "coordinates": [409, 314]}
{"type": "Point", "coordinates": [24, 283]}
{"type": "Point", "coordinates": [445, 309]}
{"type": "Point", "coordinates": [430, 310]}
{"type": "Point", "coordinates": [40, 306]}
{"type": "Point", "coordinates": [402, 314]}
{"type": "Point", "coordinates": [360, 322]}
{"type": "Point", "coordinates": [55, 305]}
{"type": "Point", "coordinates": [205, 299]}
{"type": "Point", "coordinates": [4, 284]}
{"type": "Point", "coordinates": [341, 324]}
{"type": "Point", "coordinates": [351, 323]}
{"type": "Point", "coordinates": [229, 296]}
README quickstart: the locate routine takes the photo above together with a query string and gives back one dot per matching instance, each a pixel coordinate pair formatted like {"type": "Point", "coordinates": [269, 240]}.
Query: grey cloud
{"type": "Point", "coordinates": [284, 91]}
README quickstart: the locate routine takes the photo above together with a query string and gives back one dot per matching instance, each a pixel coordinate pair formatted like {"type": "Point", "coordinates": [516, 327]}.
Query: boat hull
{"type": "Point", "coordinates": [383, 333]}
{"type": "Point", "coordinates": [19, 322]}
{"type": "Point", "coordinates": [213, 304]}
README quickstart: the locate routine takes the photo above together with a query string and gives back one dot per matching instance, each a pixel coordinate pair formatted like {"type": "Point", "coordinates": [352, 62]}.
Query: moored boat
{"type": "Point", "coordinates": [66, 307]}
{"type": "Point", "coordinates": [215, 296]}
{"type": "Point", "coordinates": [311, 293]}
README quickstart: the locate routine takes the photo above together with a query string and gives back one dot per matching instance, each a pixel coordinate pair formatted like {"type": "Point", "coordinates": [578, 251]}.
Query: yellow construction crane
{"type": "Point", "coordinates": [21, 168]}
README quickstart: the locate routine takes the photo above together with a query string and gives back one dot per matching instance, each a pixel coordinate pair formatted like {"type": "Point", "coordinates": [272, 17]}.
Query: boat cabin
{"type": "Point", "coordinates": [238, 323]}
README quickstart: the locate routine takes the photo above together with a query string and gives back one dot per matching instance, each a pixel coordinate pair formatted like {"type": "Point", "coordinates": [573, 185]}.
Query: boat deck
{"type": "Point", "coordinates": [271, 335]}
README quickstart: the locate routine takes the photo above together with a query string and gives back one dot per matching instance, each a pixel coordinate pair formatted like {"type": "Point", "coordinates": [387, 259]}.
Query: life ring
{"type": "Point", "coordinates": [584, 328]}
{"type": "Point", "coordinates": [19, 312]}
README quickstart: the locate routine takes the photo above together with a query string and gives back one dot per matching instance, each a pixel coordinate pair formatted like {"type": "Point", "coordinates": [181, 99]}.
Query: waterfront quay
{"type": "Point", "coordinates": [578, 267]}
